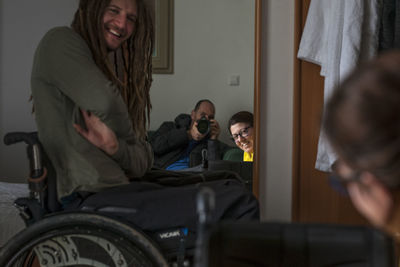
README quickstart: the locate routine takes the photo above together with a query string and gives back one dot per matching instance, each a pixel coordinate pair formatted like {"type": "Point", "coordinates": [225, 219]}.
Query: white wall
{"type": "Point", "coordinates": [276, 109]}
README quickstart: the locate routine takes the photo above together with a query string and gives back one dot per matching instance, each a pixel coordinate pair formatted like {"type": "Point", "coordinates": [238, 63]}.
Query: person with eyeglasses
{"type": "Point", "coordinates": [362, 123]}
{"type": "Point", "coordinates": [240, 127]}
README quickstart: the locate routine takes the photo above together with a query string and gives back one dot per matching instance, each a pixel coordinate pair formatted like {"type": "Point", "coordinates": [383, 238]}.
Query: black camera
{"type": "Point", "coordinates": [203, 125]}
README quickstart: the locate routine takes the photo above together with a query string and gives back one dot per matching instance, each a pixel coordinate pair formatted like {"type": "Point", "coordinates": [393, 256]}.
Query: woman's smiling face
{"type": "Point", "coordinates": [242, 134]}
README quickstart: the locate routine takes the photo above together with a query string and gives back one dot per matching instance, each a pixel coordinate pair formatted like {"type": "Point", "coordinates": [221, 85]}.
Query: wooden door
{"type": "Point", "coordinates": [313, 198]}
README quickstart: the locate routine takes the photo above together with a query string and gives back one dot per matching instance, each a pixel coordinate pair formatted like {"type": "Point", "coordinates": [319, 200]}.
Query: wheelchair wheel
{"type": "Point", "coordinates": [80, 239]}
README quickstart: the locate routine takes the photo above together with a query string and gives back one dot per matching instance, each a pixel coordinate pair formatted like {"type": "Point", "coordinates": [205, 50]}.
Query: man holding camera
{"type": "Point", "coordinates": [182, 144]}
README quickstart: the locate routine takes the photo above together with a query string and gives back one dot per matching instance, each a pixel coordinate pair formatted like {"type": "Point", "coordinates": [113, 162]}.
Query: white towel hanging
{"type": "Point", "coordinates": [337, 36]}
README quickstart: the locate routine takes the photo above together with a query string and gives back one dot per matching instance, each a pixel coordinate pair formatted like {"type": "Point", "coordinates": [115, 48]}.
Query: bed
{"type": "Point", "coordinates": [10, 221]}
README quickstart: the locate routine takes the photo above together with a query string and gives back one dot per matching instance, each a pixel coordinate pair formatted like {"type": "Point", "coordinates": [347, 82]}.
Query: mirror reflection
{"type": "Point", "coordinates": [213, 59]}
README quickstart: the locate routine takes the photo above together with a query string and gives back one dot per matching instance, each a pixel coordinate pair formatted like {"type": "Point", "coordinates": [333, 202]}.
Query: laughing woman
{"type": "Point", "coordinates": [240, 127]}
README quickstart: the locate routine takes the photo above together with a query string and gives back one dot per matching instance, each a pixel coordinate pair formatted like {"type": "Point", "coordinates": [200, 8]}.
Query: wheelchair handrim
{"type": "Point", "coordinates": [85, 225]}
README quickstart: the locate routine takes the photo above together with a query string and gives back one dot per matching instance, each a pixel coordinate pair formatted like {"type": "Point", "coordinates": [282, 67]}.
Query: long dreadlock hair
{"type": "Point", "coordinates": [130, 67]}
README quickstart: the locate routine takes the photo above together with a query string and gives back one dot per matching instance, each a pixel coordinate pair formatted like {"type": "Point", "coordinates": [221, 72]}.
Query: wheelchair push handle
{"type": "Point", "coordinates": [16, 137]}
{"type": "Point", "coordinates": [34, 154]}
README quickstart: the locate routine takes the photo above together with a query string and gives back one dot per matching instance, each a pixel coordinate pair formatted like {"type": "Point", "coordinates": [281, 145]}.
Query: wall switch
{"type": "Point", "coordinates": [234, 80]}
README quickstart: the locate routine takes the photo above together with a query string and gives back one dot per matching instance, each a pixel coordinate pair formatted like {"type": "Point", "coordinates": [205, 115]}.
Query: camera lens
{"type": "Point", "coordinates": [203, 125]}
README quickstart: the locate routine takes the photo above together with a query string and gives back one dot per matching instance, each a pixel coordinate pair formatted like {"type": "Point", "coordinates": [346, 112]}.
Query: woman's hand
{"type": "Point", "coordinates": [98, 133]}
{"type": "Point", "coordinates": [372, 199]}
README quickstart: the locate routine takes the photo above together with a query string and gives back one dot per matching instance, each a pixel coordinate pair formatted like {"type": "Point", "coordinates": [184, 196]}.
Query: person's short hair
{"type": "Point", "coordinates": [240, 117]}
{"type": "Point", "coordinates": [197, 106]}
{"type": "Point", "coordinates": [362, 118]}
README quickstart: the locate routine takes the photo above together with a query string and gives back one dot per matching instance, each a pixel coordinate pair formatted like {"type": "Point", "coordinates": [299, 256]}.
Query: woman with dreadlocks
{"type": "Point", "coordinates": [90, 84]}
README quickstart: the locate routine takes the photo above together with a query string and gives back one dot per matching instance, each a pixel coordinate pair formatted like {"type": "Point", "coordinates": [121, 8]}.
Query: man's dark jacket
{"type": "Point", "coordinates": [171, 140]}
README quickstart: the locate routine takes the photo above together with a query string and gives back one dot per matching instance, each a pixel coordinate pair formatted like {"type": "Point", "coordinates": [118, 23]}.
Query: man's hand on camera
{"type": "Point", "coordinates": [194, 133]}
{"type": "Point", "coordinates": [214, 129]}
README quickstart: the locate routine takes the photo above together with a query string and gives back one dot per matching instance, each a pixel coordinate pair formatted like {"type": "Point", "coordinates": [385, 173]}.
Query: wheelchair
{"type": "Point", "coordinates": [54, 237]}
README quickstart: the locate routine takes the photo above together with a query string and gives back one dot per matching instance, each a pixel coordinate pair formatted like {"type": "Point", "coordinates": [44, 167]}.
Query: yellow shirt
{"type": "Point", "coordinates": [247, 156]}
